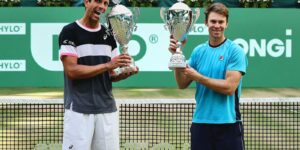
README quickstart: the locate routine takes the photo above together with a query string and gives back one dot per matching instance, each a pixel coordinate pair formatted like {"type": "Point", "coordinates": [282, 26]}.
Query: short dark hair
{"type": "Point", "coordinates": [218, 8]}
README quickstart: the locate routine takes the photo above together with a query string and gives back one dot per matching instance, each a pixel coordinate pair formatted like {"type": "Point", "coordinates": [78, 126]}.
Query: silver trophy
{"type": "Point", "coordinates": [178, 20]}
{"type": "Point", "coordinates": [121, 22]}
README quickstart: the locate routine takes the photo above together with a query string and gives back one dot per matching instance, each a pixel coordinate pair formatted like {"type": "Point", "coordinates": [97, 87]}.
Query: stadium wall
{"type": "Point", "coordinates": [29, 46]}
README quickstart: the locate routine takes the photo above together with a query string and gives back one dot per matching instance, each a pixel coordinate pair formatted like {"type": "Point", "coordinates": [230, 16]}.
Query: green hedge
{"type": "Point", "coordinates": [155, 3]}
{"type": "Point", "coordinates": [46, 3]}
{"type": "Point", "coordinates": [9, 3]}
{"type": "Point", "coordinates": [55, 3]}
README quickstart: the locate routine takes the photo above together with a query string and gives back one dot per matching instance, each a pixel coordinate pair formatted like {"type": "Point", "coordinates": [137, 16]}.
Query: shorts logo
{"type": "Point", "coordinates": [71, 146]}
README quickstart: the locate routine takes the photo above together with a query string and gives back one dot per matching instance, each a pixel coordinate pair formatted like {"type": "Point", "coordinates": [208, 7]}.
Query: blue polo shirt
{"type": "Point", "coordinates": [213, 62]}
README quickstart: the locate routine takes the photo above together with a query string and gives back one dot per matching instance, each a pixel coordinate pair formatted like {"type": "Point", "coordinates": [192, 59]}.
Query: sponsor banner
{"type": "Point", "coordinates": [12, 65]}
{"type": "Point", "coordinates": [29, 46]}
{"type": "Point", "coordinates": [12, 28]}
{"type": "Point", "coordinates": [145, 47]}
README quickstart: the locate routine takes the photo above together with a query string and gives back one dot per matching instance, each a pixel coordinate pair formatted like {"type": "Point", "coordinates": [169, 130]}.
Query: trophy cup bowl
{"type": "Point", "coordinates": [122, 23]}
{"type": "Point", "coordinates": [178, 20]}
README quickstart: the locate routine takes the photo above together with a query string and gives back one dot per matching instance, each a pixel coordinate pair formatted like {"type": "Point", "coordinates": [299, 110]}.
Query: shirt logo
{"type": "Point", "coordinates": [221, 58]}
{"type": "Point", "coordinates": [67, 42]}
{"type": "Point", "coordinates": [105, 37]}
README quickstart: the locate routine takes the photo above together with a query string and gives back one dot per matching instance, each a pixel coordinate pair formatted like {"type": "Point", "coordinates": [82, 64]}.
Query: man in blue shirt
{"type": "Point", "coordinates": [217, 67]}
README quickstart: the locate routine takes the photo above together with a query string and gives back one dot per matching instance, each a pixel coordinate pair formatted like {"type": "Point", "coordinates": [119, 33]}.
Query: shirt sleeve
{"type": "Point", "coordinates": [67, 43]}
{"type": "Point", "coordinates": [191, 61]}
{"type": "Point", "coordinates": [238, 60]}
{"type": "Point", "coordinates": [194, 56]}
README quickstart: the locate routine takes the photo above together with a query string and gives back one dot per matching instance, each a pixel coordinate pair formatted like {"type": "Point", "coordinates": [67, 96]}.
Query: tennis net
{"type": "Point", "coordinates": [269, 123]}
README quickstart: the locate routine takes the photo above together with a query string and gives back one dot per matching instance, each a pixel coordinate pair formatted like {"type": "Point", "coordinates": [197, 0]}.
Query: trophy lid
{"type": "Point", "coordinates": [180, 6]}
{"type": "Point", "coordinates": [119, 9]}
{"type": "Point", "coordinates": [116, 1]}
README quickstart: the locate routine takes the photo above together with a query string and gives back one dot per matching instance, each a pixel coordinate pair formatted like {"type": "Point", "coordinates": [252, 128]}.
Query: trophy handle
{"type": "Point", "coordinates": [136, 13]}
{"type": "Point", "coordinates": [163, 16]}
{"type": "Point", "coordinates": [196, 15]}
{"type": "Point", "coordinates": [108, 30]}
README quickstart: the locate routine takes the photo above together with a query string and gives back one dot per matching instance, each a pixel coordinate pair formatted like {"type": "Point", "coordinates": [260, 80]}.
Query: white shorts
{"type": "Point", "coordinates": [90, 131]}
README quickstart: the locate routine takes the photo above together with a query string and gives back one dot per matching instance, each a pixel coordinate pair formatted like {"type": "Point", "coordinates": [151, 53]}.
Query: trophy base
{"type": "Point", "coordinates": [174, 66]}
{"type": "Point", "coordinates": [177, 61]}
{"type": "Point", "coordinates": [131, 68]}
